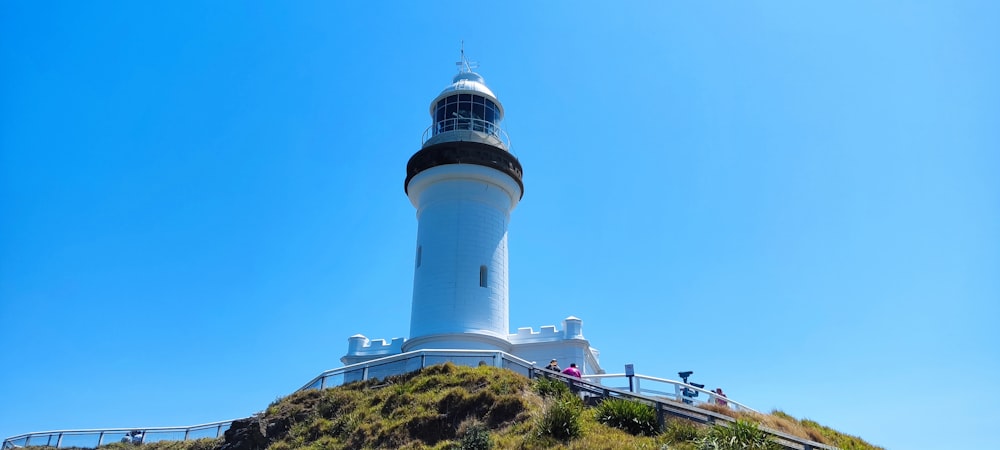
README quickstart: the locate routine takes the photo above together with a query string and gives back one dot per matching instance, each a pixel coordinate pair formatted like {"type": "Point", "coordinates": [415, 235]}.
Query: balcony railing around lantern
{"type": "Point", "coordinates": [467, 124]}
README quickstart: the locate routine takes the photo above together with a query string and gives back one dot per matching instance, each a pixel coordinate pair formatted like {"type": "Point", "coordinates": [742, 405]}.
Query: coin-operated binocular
{"type": "Point", "coordinates": [687, 393]}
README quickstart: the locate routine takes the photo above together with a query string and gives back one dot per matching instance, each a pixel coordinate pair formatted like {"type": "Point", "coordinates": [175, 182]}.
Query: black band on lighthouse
{"type": "Point", "coordinates": [463, 152]}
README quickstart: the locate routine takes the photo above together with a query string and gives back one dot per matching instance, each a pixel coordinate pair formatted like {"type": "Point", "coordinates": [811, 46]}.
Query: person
{"type": "Point", "coordinates": [719, 397]}
{"type": "Point", "coordinates": [572, 371]}
{"type": "Point", "coordinates": [553, 366]}
{"type": "Point", "coordinates": [133, 437]}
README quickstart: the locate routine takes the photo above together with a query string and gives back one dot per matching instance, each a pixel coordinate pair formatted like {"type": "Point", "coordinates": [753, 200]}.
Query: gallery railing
{"type": "Point", "coordinates": [467, 124]}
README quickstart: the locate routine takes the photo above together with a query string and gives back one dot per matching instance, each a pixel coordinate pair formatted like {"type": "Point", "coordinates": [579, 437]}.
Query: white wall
{"type": "Point", "coordinates": [463, 211]}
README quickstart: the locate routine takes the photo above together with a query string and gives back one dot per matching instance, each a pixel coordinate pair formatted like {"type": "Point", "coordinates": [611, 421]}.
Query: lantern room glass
{"type": "Point", "coordinates": [467, 112]}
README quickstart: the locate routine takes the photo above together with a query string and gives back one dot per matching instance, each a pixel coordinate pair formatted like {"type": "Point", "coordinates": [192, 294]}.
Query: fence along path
{"type": "Point", "coordinates": [590, 386]}
{"type": "Point", "coordinates": [98, 437]}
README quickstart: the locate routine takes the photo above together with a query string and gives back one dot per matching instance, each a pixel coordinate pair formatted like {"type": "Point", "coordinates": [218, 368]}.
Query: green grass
{"type": "Point", "coordinates": [633, 417]}
{"type": "Point", "coordinates": [550, 387]}
{"type": "Point", "coordinates": [741, 435]}
{"type": "Point", "coordinates": [561, 418]}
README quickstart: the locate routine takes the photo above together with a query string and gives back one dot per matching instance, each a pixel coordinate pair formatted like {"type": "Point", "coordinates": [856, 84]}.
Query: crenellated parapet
{"type": "Point", "coordinates": [360, 348]}
{"type": "Point", "coordinates": [567, 345]}
{"type": "Point", "coordinates": [572, 329]}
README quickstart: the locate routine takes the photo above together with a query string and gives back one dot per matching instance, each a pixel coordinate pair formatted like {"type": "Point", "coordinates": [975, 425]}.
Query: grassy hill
{"type": "Point", "coordinates": [456, 407]}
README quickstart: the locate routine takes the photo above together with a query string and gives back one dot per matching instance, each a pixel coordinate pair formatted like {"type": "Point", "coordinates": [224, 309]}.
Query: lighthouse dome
{"type": "Point", "coordinates": [467, 83]}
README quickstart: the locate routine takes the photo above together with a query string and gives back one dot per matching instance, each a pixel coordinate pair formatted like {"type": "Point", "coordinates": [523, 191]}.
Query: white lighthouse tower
{"type": "Point", "coordinates": [464, 183]}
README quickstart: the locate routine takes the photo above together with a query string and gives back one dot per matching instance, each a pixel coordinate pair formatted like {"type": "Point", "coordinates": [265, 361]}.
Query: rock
{"type": "Point", "coordinates": [246, 434]}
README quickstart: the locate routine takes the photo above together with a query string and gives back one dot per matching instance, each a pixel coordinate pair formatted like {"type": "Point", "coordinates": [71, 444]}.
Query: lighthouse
{"type": "Point", "coordinates": [464, 183]}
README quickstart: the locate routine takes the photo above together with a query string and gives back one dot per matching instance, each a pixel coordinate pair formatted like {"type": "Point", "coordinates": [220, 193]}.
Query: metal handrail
{"type": "Point", "coordinates": [678, 386]}
{"type": "Point", "coordinates": [466, 124]}
{"type": "Point", "coordinates": [675, 408]}
{"type": "Point", "coordinates": [362, 368]}
{"type": "Point", "coordinates": [101, 433]}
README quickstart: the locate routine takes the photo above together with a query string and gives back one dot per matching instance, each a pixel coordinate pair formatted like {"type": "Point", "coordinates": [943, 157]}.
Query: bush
{"type": "Point", "coordinates": [550, 387]}
{"type": "Point", "coordinates": [683, 430]}
{"type": "Point", "coordinates": [638, 419]}
{"type": "Point", "coordinates": [476, 437]}
{"type": "Point", "coordinates": [740, 435]}
{"type": "Point", "coordinates": [561, 418]}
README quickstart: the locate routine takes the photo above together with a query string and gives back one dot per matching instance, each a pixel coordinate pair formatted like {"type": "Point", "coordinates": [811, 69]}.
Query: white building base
{"type": "Point", "coordinates": [567, 346]}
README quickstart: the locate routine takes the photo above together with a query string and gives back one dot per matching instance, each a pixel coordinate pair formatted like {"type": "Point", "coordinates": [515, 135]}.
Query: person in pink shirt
{"type": "Point", "coordinates": [572, 371]}
{"type": "Point", "coordinates": [719, 397]}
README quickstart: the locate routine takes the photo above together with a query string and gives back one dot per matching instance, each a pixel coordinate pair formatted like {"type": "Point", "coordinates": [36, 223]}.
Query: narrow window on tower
{"type": "Point", "coordinates": [482, 276]}
{"type": "Point", "coordinates": [419, 253]}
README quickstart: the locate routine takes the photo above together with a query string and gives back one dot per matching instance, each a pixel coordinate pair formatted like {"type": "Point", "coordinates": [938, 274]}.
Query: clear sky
{"type": "Point", "coordinates": [799, 201]}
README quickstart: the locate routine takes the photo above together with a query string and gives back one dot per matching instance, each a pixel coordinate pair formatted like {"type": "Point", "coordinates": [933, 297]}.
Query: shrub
{"type": "Point", "coordinates": [561, 418]}
{"type": "Point", "coordinates": [476, 437]}
{"type": "Point", "coordinates": [682, 430]}
{"type": "Point", "coordinates": [740, 435]}
{"type": "Point", "coordinates": [550, 387]}
{"type": "Point", "coordinates": [633, 417]}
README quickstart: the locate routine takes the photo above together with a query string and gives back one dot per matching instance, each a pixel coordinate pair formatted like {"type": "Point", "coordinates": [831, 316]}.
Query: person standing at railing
{"type": "Point", "coordinates": [553, 366]}
{"type": "Point", "coordinates": [719, 397]}
{"type": "Point", "coordinates": [133, 437]}
{"type": "Point", "coordinates": [572, 371]}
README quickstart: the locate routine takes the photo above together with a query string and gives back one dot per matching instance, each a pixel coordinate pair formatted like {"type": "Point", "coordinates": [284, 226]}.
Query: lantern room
{"type": "Point", "coordinates": [469, 108]}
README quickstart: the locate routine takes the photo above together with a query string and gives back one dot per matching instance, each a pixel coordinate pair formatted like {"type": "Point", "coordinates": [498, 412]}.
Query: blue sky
{"type": "Point", "coordinates": [798, 201]}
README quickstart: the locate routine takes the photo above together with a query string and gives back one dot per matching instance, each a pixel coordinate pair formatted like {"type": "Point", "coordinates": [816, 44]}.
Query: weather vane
{"type": "Point", "coordinates": [464, 65]}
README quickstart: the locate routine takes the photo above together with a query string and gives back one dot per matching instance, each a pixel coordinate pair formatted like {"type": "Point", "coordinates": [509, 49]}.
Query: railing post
{"type": "Point", "coordinates": [638, 386]}
{"type": "Point", "coordinates": [27, 441]}
{"type": "Point", "coordinates": [187, 432]}
{"type": "Point", "coordinates": [322, 383]}
{"type": "Point", "coordinates": [659, 416]}
{"type": "Point", "coordinates": [100, 439]}
{"type": "Point", "coordinates": [142, 438]}
{"type": "Point", "coordinates": [218, 430]}
{"type": "Point", "coordinates": [59, 441]}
